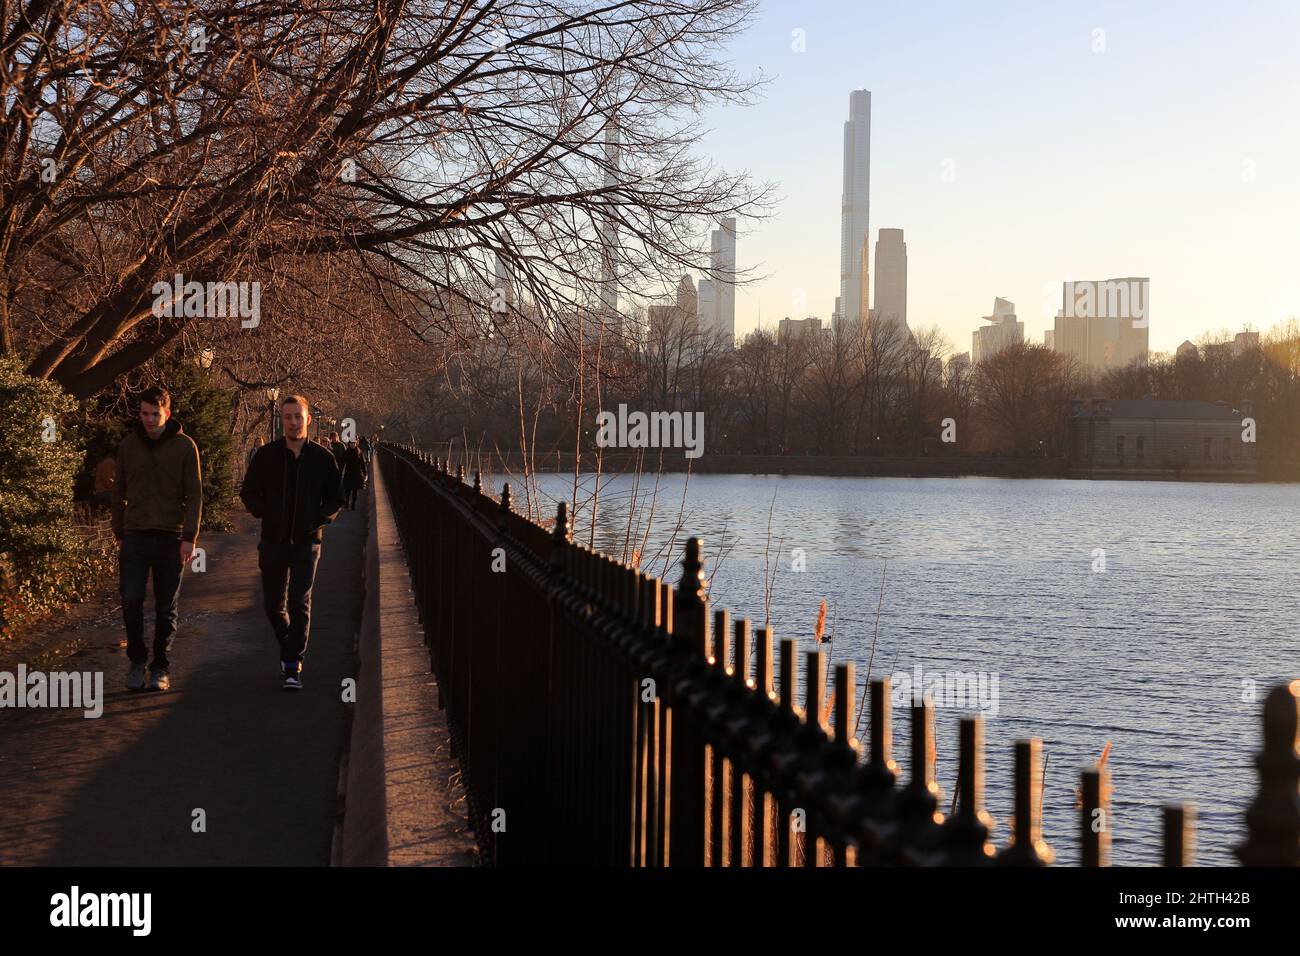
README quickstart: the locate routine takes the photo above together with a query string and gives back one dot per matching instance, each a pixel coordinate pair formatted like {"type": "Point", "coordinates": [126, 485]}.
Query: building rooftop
{"type": "Point", "coordinates": [1156, 408]}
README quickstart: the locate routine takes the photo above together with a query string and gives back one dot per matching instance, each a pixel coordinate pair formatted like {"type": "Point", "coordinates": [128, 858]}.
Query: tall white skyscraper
{"type": "Point", "coordinates": [855, 211]}
{"type": "Point", "coordinates": [609, 237]}
{"type": "Point", "coordinates": [717, 296]}
{"type": "Point", "coordinates": [891, 277]}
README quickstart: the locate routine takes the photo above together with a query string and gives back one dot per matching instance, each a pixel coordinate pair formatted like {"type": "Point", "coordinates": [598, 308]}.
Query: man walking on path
{"type": "Point", "coordinates": [294, 486]}
{"type": "Point", "coordinates": [251, 452]}
{"type": "Point", "coordinates": [338, 448]}
{"type": "Point", "coordinates": [354, 474]}
{"type": "Point", "coordinates": [157, 506]}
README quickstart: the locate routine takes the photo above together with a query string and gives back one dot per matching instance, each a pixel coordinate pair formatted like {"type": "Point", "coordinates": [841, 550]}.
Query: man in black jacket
{"type": "Point", "coordinates": [294, 486]}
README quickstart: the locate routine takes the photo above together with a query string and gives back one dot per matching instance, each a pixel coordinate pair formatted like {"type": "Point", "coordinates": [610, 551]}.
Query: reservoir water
{"type": "Point", "coordinates": [1153, 615]}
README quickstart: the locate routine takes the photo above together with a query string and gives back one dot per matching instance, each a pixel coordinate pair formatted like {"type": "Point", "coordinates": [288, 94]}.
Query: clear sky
{"type": "Point", "coordinates": [1173, 154]}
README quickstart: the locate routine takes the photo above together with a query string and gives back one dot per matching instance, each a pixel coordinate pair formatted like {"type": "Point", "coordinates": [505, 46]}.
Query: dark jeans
{"type": "Point", "coordinates": [288, 573]}
{"type": "Point", "coordinates": [139, 555]}
{"type": "Point", "coordinates": [351, 495]}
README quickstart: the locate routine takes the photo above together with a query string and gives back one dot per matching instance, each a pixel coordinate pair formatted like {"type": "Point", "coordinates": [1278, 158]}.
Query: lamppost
{"type": "Point", "coordinates": [272, 394]}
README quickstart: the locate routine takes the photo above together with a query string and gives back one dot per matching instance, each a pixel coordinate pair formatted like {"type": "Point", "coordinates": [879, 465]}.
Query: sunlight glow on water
{"type": "Point", "coordinates": [996, 575]}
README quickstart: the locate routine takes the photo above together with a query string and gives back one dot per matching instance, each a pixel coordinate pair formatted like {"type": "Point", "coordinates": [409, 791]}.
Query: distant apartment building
{"type": "Point", "coordinates": [1104, 324]}
{"type": "Point", "coordinates": [1160, 439]}
{"type": "Point", "coordinates": [1005, 330]}
{"type": "Point", "coordinates": [891, 278]}
{"type": "Point", "coordinates": [1049, 338]}
{"type": "Point", "coordinates": [593, 327]}
{"type": "Point", "coordinates": [811, 326]}
{"type": "Point", "coordinates": [678, 317]}
{"type": "Point", "coordinates": [1218, 351]}
{"type": "Point", "coordinates": [1244, 342]}
{"type": "Point", "coordinates": [1187, 351]}
{"type": "Point", "coordinates": [958, 364]}
{"type": "Point", "coordinates": [717, 296]}
{"type": "Point", "coordinates": [704, 300]}
{"type": "Point", "coordinates": [1240, 344]}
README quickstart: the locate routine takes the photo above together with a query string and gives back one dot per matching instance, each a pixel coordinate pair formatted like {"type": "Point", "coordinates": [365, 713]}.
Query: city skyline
{"type": "Point", "coordinates": [1026, 154]}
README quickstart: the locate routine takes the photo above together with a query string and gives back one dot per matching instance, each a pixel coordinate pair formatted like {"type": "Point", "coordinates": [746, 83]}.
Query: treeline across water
{"type": "Point", "coordinates": [871, 391]}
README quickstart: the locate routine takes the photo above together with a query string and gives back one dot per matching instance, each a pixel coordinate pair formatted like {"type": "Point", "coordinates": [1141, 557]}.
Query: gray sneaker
{"type": "Point", "coordinates": [158, 680]}
{"type": "Point", "coordinates": [292, 676]}
{"type": "Point", "coordinates": [135, 677]}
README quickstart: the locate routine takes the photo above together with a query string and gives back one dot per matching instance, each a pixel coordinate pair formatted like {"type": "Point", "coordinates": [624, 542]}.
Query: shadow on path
{"type": "Point", "coordinates": [260, 762]}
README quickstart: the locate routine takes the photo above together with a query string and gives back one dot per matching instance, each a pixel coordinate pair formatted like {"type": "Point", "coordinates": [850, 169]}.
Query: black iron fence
{"type": "Point", "coordinates": [602, 716]}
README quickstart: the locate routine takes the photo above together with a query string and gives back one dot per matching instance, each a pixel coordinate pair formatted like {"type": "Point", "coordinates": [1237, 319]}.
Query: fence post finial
{"type": "Point", "coordinates": [692, 570]}
{"type": "Point", "coordinates": [689, 779]}
{"type": "Point", "coordinates": [1179, 829]}
{"type": "Point", "coordinates": [560, 538]}
{"type": "Point", "coordinates": [1027, 847]}
{"type": "Point", "coordinates": [1273, 820]}
{"type": "Point", "coordinates": [1094, 818]}
{"type": "Point", "coordinates": [690, 610]}
{"type": "Point", "coordinates": [966, 832]}
{"type": "Point", "coordinates": [879, 773]}
{"type": "Point", "coordinates": [918, 801]}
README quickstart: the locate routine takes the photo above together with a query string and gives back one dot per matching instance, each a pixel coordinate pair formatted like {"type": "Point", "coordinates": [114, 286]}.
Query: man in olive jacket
{"type": "Point", "coordinates": [294, 486]}
{"type": "Point", "coordinates": [157, 506]}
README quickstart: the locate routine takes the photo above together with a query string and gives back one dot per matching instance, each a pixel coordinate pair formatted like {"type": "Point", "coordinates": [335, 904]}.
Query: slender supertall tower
{"type": "Point", "coordinates": [855, 212]}
{"type": "Point", "coordinates": [503, 290]}
{"type": "Point", "coordinates": [723, 261]}
{"type": "Point", "coordinates": [609, 238]}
